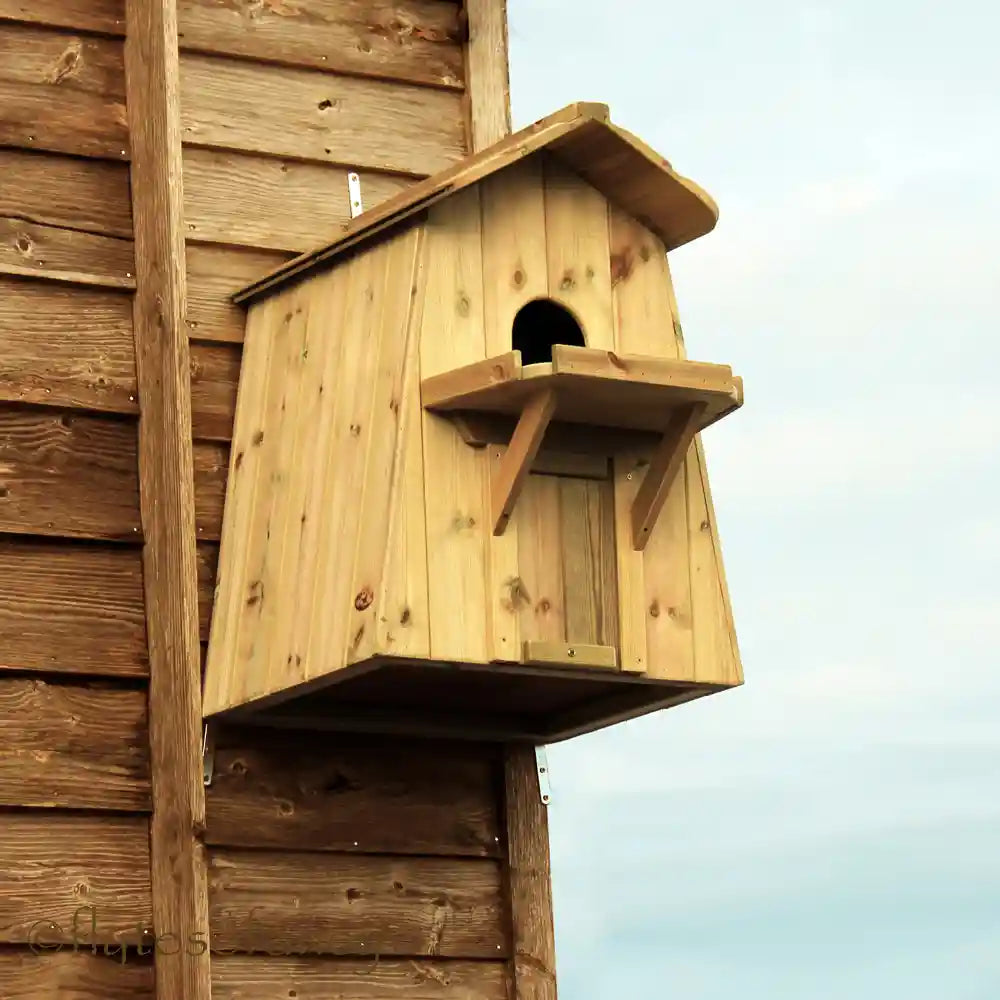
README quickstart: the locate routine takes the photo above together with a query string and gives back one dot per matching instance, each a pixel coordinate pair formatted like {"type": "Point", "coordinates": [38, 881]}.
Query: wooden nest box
{"type": "Point", "coordinates": [466, 495]}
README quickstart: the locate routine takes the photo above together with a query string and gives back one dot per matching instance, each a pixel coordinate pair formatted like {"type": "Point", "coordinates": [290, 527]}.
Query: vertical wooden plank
{"type": "Point", "coordinates": [505, 591]}
{"type": "Point", "coordinates": [329, 304]}
{"type": "Point", "coordinates": [641, 290]}
{"type": "Point", "coordinates": [387, 428]}
{"type": "Point", "coordinates": [179, 893]}
{"type": "Point", "coordinates": [540, 547]}
{"type": "Point", "coordinates": [292, 472]}
{"type": "Point", "coordinates": [514, 260]}
{"type": "Point", "coordinates": [628, 470]}
{"type": "Point", "coordinates": [716, 657]}
{"type": "Point", "coordinates": [644, 324]}
{"type": "Point", "coordinates": [589, 561]}
{"type": "Point", "coordinates": [341, 507]}
{"type": "Point", "coordinates": [515, 267]}
{"type": "Point", "coordinates": [403, 625]}
{"type": "Point", "coordinates": [455, 492]}
{"type": "Point", "coordinates": [530, 882]}
{"type": "Point", "coordinates": [579, 253]}
{"type": "Point", "coordinates": [486, 72]}
{"type": "Point", "coordinates": [715, 654]}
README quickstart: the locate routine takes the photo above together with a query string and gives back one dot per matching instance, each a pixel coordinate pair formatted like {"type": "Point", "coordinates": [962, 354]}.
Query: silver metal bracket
{"type": "Point", "coordinates": [354, 190]}
{"type": "Point", "coordinates": [207, 755]}
{"type": "Point", "coordinates": [542, 765]}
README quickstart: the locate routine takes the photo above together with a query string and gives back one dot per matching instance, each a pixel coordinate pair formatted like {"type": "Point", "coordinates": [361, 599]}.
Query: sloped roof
{"type": "Point", "coordinates": [623, 168]}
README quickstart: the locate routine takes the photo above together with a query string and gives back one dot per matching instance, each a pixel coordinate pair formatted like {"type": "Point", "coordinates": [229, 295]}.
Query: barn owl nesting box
{"type": "Point", "coordinates": [466, 493]}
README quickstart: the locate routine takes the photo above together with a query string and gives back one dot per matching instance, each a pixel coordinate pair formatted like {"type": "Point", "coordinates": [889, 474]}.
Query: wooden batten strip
{"type": "Point", "coordinates": [70, 607]}
{"type": "Point", "coordinates": [63, 872]}
{"type": "Point", "coordinates": [68, 475]}
{"type": "Point", "coordinates": [66, 347]}
{"type": "Point", "coordinates": [529, 881]}
{"type": "Point", "coordinates": [362, 795]}
{"type": "Point", "coordinates": [414, 41]}
{"type": "Point", "coordinates": [62, 92]}
{"type": "Point", "coordinates": [64, 192]}
{"type": "Point", "coordinates": [321, 117]}
{"type": "Point", "coordinates": [356, 905]}
{"type": "Point", "coordinates": [179, 887]}
{"type": "Point", "coordinates": [40, 974]}
{"type": "Point", "coordinates": [487, 72]}
{"type": "Point", "coordinates": [102, 16]}
{"type": "Point", "coordinates": [294, 203]}
{"type": "Point", "coordinates": [72, 746]}
{"type": "Point", "coordinates": [259, 977]}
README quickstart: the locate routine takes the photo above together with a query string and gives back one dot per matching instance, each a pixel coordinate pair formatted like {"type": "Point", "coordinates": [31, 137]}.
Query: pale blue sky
{"type": "Point", "coordinates": [831, 830]}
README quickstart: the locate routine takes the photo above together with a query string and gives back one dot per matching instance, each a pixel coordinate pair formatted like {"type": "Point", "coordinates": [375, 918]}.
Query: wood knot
{"type": "Point", "coordinates": [654, 609]}
{"type": "Point", "coordinates": [404, 618]}
{"type": "Point", "coordinates": [258, 438]}
{"type": "Point", "coordinates": [464, 304]}
{"type": "Point", "coordinates": [568, 281]}
{"type": "Point", "coordinates": [621, 266]}
{"type": "Point", "coordinates": [364, 598]}
{"type": "Point", "coordinates": [519, 278]}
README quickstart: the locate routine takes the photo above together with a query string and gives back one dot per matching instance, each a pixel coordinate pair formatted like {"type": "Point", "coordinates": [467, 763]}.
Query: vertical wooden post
{"type": "Point", "coordinates": [533, 968]}
{"type": "Point", "coordinates": [166, 482]}
{"type": "Point", "coordinates": [487, 73]}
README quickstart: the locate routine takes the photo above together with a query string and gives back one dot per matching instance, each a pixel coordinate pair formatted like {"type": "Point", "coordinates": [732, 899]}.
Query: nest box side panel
{"type": "Point", "coordinates": [455, 475]}
{"type": "Point", "coordinates": [674, 602]}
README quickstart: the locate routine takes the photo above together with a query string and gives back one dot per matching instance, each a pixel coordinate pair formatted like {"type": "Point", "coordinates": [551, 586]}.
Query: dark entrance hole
{"type": "Point", "coordinates": [540, 324]}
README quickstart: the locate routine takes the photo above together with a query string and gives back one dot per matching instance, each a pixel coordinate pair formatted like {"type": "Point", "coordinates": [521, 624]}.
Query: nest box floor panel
{"type": "Point", "coordinates": [467, 701]}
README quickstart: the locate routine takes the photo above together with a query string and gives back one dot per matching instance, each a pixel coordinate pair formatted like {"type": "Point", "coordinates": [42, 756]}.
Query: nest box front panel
{"type": "Point", "coordinates": [362, 524]}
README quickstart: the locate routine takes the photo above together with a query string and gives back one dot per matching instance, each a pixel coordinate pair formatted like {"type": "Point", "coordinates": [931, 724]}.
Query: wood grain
{"type": "Point", "coordinates": [455, 494]}
{"type": "Point", "coordinates": [37, 251]}
{"type": "Point", "coordinates": [414, 40]}
{"type": "Point", "coordinates": [91, 196]}
{"type": "Point", "coordinates": [57, 865]}
{"type": "Point", "coordinates": [211, 469]}
{"type": "Point", "coordinates": [589, 561]}
{"type": "Point", "coordinates": [272, 790]}
{"type": "Point", "coordinates": [319, 116]}
{"type": "Point", "coordinates": [215, 373]}
{"type": "Point", "coordinates": [295, 205]}
{"type": "Point", "coordinates": [488, 73]}
{"type": "Point", "coordinates": [73, 747]}
{"type": "Point", "coordinates": [208, 561]}
{"type": "Point", "coordinates": [214, 274]}
{"type": "Point", "coordinates": [69, 975]}
{"type": "Point", "coordinates": [177, 864]}
{"type": "Point", "coordinates": [356, 905]}
{"type": "Point", "coordinates": [258, 977]}
{"type": "Point", "coordinates": [87, 15]}
{"type": "Point", "coordinates": [72, 608]}
{"type": "Point", "coordinates": [68, 347]}
{"type": "Point", "coordinates": [62, 92]}
{"type": "Point", "coordinates": [529, 878]}
{"type": "Point", "coordinates": [68, 475]}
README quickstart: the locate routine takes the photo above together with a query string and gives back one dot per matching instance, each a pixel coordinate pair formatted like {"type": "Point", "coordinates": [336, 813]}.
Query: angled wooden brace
{"type": "Point", "coordinates": [509, 478]}
{"type": "Point", "coordinates": [663, 469]}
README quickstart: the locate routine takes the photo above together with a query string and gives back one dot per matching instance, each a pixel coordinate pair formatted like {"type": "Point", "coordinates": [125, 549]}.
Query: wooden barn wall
{"type": "Point", "coordinates": [75, 790]}
{"type": "Point", "coordinates": [369, 870]}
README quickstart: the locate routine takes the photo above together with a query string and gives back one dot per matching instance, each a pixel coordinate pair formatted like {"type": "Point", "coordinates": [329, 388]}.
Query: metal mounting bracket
{"type": "Point", "coordinates": [207, 755]}
{"type": "Point", "coordinates": [354, 190]}
{"type": "Point", "coordinates": [542, 765]}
